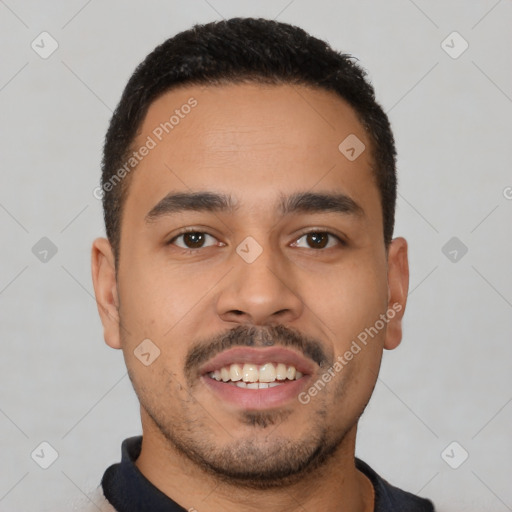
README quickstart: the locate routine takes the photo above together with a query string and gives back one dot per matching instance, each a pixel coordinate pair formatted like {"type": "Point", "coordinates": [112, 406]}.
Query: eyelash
{"type": "Point", "coordinates": [341, 242]}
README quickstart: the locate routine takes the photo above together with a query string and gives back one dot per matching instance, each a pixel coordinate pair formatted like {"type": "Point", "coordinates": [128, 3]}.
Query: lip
{"type": "Point", "coordinates": [257, 399]}
{"type": "Point", "coordinates": [259, 356]}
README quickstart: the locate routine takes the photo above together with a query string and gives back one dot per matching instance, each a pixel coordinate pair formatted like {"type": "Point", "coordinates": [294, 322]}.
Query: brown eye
{"type": "Point", "coordinates": [193, 240]}
{"type": "Point", "coordinates": [317, 240]}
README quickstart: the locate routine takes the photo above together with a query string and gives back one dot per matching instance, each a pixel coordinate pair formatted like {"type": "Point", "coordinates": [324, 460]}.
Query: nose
{"type": "Point", "coordinates": [261, 292]}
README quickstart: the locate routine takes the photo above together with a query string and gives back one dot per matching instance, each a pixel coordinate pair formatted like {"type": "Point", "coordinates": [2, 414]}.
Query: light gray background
{"type": "Point", "coordinates": [450, 380]}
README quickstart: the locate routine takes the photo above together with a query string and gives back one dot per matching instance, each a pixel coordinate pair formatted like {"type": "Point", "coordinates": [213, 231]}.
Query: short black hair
{"type": "Point", "coordinates": [241, 50]}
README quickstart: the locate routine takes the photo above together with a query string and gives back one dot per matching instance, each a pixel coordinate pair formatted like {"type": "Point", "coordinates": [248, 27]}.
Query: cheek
{"type": "Point", "coordinates": [349, 298]}
{"type": "Point", "coordinates": [154, 300]}
{"type": "Point", "coordinates": [158, 387]}
{"type": "Point", "coordinates": [154, 308]}
{"type": "Point", "coordinates": [354, 388]}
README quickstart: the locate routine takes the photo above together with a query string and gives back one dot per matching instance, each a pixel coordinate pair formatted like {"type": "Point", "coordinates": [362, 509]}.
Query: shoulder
{"type": "Point", "coordinates": [392, 499]}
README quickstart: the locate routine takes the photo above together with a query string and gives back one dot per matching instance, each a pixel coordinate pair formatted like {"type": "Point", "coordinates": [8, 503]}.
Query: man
{"type": "Point", "coordinates": [250, 276]}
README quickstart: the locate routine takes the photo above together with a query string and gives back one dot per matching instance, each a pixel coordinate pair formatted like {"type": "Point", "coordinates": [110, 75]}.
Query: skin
{"type": "Point", "coordinates": [256, 143]}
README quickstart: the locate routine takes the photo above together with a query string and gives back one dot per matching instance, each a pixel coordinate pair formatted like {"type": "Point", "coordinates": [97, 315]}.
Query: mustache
{"type": "Point", "coordinates": [254, 336]}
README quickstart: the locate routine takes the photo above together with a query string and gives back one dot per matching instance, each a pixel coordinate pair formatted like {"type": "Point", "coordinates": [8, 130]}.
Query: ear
{"type": "Point", "coordinates": [105, 289]}
{"type": "Point", "coordinates": [398, 287]}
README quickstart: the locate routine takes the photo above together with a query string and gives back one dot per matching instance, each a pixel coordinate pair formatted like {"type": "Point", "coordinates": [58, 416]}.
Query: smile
{"type": "Point", "coordinates": [257, 378]}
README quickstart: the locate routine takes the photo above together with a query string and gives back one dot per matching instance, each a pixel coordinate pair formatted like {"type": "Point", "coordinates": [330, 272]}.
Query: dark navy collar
{"type": "Point", "coordinates": [128, 490]}
{"type": "Point", "coordinates": [392, 499]}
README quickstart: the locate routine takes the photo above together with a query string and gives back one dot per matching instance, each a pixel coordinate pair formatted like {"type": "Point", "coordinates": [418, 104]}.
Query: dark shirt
{"type": "Point", "coordinates": [128, 490]}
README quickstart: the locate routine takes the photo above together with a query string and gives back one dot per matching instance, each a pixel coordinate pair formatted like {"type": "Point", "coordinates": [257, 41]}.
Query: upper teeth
{"type": "Point", "coordinates": [248, 372]}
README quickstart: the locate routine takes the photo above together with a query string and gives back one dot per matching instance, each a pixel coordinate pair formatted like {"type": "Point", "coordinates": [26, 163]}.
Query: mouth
{"type": "Point", "coordinates": [252, 378]}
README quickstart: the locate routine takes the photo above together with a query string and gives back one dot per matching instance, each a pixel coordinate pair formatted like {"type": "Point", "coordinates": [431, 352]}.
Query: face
{"type": "Point", "coordinates": [252, 257]}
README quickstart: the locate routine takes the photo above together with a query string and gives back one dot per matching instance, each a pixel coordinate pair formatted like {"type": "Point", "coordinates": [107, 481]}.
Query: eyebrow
{"type": "Point", "coordinates": [299, 202]}
{"type": "Point", "coordinates": [317, 202]}
{"type": "Point", "coordinates": [190, 201]}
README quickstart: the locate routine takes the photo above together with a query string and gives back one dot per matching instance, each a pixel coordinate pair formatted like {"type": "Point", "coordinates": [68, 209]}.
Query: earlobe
{"type": "Point", "coordinates": [105, 289]}
{"type": "Point", "coordinates": [398, 287]}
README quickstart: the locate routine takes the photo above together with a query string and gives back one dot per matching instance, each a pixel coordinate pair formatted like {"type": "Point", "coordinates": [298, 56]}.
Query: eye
{"type": "Point", "coordinates": [318, 240]}
{"type": "Point", "coordinates": [193, 240]}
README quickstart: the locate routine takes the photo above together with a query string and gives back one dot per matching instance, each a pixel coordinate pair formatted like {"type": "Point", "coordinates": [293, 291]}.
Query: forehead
{"type": "Point", "coordinates": [251, 140]}
{"type": "Point", "coordinates": [250, 114]}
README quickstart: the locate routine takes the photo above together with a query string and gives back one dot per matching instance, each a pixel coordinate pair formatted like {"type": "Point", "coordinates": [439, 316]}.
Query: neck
{"type": "Point", "coordinates": [336, 486]}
